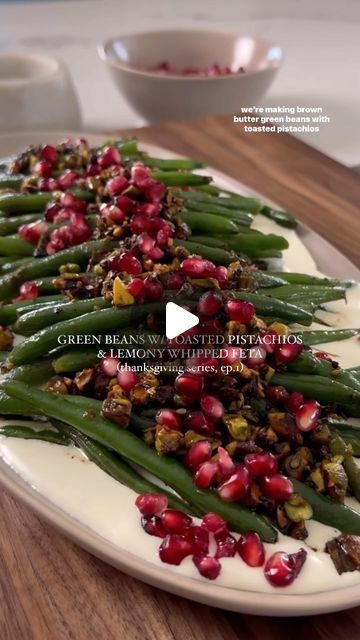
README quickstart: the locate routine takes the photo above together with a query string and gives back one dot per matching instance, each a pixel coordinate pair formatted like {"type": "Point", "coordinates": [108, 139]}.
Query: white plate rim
{"type": "Point", "coordinates": [277, 604]}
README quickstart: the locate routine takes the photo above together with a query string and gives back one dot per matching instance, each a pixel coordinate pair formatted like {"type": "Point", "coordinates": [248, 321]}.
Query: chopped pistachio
{"type": "Point", "coordinates": [297, 508]}
{"type": "Point", "coordinates": [280, 328]}
{"type": "Point", "coordinates": [167, 440]}
{"type": "Point", "coordinates": [237, 425]}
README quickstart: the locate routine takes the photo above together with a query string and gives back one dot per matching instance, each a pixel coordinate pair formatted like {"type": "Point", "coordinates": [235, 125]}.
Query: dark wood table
{"type": "Point", "coordinates": [51, 589]}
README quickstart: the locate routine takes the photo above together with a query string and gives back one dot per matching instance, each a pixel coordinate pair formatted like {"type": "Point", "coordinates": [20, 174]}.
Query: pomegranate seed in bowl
{"type": "Point", "coordinates": [240, 311]}
{"type": "Point", "coordinates": [251, 549]}
{"type": "Point", "coordinates": [208, 566]}
{"type": "Point", "coordinates": [174, 548]}
{"type": "Point", "coordinates": [307, 415]}
{"type": "Point", "coordinates": [261, 464]}
{"type": "Point", "coordinates": [198, 453]}
{"type": "Point", "coordinates": [282, 568]}
{"type": "Point", "coordinates": [277, 487]}
{"type": "Point", "coordinates": [212, 407]}
{"type": "Point", "coordinates": [151, 504]}
{"type": "Point", "coordinates": [213, 523]}
{"type": "Point", "coordinates": [169, 418]}
{"type": "Point", "coordinates": [225, 545]}
{"type": "Point", "coordinates": [209, 304]}
{"type": "Point", "coordinates": [175, 521]}
{"type": "Point", "coordinates": [205, 474]}
{"type": "Point", "coordinates": [237, 486]}
{"type": "Point", "coordinates": [153, 526]}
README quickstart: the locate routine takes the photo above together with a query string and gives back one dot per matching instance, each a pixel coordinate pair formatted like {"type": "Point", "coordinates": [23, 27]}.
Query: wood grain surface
{"type": "Point", "coordinates": [52, 590]}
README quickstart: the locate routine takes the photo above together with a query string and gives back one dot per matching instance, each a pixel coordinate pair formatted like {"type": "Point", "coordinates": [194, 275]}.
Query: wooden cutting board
{"type": "Point", "coordinates": [52, 590]}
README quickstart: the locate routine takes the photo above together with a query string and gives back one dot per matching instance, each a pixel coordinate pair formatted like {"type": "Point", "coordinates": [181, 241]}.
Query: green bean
{"type": "Point", "coordinates": [338, 448]}
{"type": "Point", "coordinates": [319, 337]}
{"type": "Point", "coordinates": [305, 279]}
{"type": "Point", "coordinates": [122, 441]}
{"type": "Point", "coordinates": [283, 218]}
{"type": "Point", "coordinates": [140, 424]}
{"type": "Point", "coordinates": [307, 362]}
{"type": "Point", "coordinates": [27, 202]}
{"type": "Point", "coordinates": [349, 433]}
{"type": "Point", "coordinates": [41, 267]}
{"type": "Point", "coordinates": [27, 433]}
{"type": "Point", "coordinates": [32, 374]}
{"type": "Point", "coordinates": [13, 245]}
{"type": "Point", "coordinates": [3, 356]}
{"type": "Point", "coordinates": [320, 388]}
{"type": "Point", "coordinates": [75, 360]}
{"type": "Point", "coordinates": [127, 146]}
{"type": "Point", "coordinates": [10, 225]}
{"type": "Point", "coordinates": [9, 312]}
{"type": "Point", "coordinates": [236, 202]}
{"type": "Point", "coordinates": [12, 263]}
{"type": "Point", "coordinates": [177, 178]}
{"type": "Point", "coordinates": [239, 217]}
{"type": "Point", "coordinates": [207, 223]}
{"type": "Point", "coordinates": [173, 164]}
{"type": "Point", "coordinates": [9, 181]}
{"type": "Point", "coordinates": [319, 298]}
{"type": "Point", "coordinates": [329, 512]}
{"type": "Point", "coordinates": [216, 255]}
{"type": "Point", "coordinates": [289, 291]}
{"type": "Point", "coordinates": [37, 319]}
{"type": "Point", "coordinates": [252, 245]}
{"type": "Point", "coordinates": [104, 320]}
{"type": "Point", "coordinates": [264, 280]}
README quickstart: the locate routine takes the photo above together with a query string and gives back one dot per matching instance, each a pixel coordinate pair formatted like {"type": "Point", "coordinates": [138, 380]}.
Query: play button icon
{"type": "Point", "coordinates": [178, 320]}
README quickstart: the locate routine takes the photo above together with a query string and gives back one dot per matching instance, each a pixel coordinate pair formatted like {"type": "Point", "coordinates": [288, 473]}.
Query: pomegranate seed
{"type": "Point", "coordinates": [212, 406]}
{"type": "Point", "coordinates": [277, 487]}
{"type": "Point", "coordinates": [169, 418]}
{"type": "Point", "coordinates": [207, 566]}
{"type": "Point", "coordinates": [27, 291]}
{"type": "Point", "coordinates": [175, 521]}
{"type": "Point", "coordinates": [156, 254]}
{"type": "Point", "coordinates": [153, 526]}
{"type": "Point", "coordinates": [233, 355]}
{"type": "Point", "coordinates": [49, 153]}
{"type": "Point", "coordinates": [150, 210]}
{"type": "Point", "coordinates": [256, 357]}
{"type": "Point", "coordinates": [294, 401]}
{"type": "Point", "coordinates": [151, 504]}
{"type": "Point", "coordinates": [288, 352]}
{"type": "Point", "coordinates": [193, 267]}
{"type": "Point", "coordinates": [307, 415]}
{"type": "Point", "coordinates": [127, 379]}
{"type": "Point", "coordinates": [251, 549]}
{"type": "Point", "coordinates": [113, 212]}
{"type": "Point", "coordinates": [32, 232]}
{"type": "Point", "coordinates": [116, 185]}
{"type": "Point", "coordinates": [48, 184]}
{"type": "Point", "coordinates": [277, 394]}
{"type": "Point", "coordinates": [322, 355]}
{"type": "Point", "coordinates": [94, 170]}
{"type": "Point", "coordinates": [221, 274]}
{"type": "Point", "coordinates": [109, 366]}
{"type": "Point", "coordinates": [205, 474]}
{"type": "Point", "coordinates": [199, 539]}
{"type": "Point", "coordinates": [163, 235]}
{"type": "Point", "coordinates": [174, 281]}
{"type": "Point", "coordinates": [226, 465]}
{"type": "Point", "coordinates": [189, 385]}
{"type": "Point", "coordinates": [209, 304]}
{"type": "Point", "coordinates": [269, 340]}
{"type": "Point", "coordinates": [51, 210]}
{"type": "Point", "coordinates": [212, 523]}
{"type": "Point", "coordinates": [225, 545]}
{"type": "Point", "coordinates": [43, 169]}
{"type": "Point", "coordinates": [282, 568]}
{"type": "Point", "coordinates": [108, 157]}
{"type": "Point", "coordinates": [261, 464]}
{"type": "Point", "coordinates": [240, 311]}
{"type": "Point", "coordinates": [174, 548]}
{"type": "Point", "coordinates": [153, 289]}
{"type": "Point", "coordinates": [136, 287]}
{"type": "Point", "coordinates": [198, 453]}
{"type": "Point", "coordinates": [67, 179]}
{"type": "Point", "coordinates": [124, 203]}
{"type": "Point", "coordinates": [139, 173]}
{"type": "Point", "coordinates": [237, 486]}
{"type": "Point", "coordinates": [196, 421]}
{"type": "Point", "coordinates": [210, 327]}
{"type": "Point", "coordinates": [153, 190]}
{"type": "Point", "coordinates": [68, 200]}
{"type": "Point", "coordinates": [145, 243]}
{"type": "Point", "coordinates": [129, 264]}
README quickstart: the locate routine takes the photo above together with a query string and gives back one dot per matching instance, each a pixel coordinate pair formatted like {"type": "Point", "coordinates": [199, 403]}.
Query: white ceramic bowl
{"type": "Point", "coordinates": [36, 92]}
{"type": "Point", "coordinates": [156, 96]}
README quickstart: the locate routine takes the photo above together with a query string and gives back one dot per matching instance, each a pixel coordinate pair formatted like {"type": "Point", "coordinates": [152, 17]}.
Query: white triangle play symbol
{"type": "Point", "coordinates": [178, 320]}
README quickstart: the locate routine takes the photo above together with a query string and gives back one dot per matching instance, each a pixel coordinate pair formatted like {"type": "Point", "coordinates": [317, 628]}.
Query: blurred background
{"type": "Point", "coordinates": [320, 40]}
